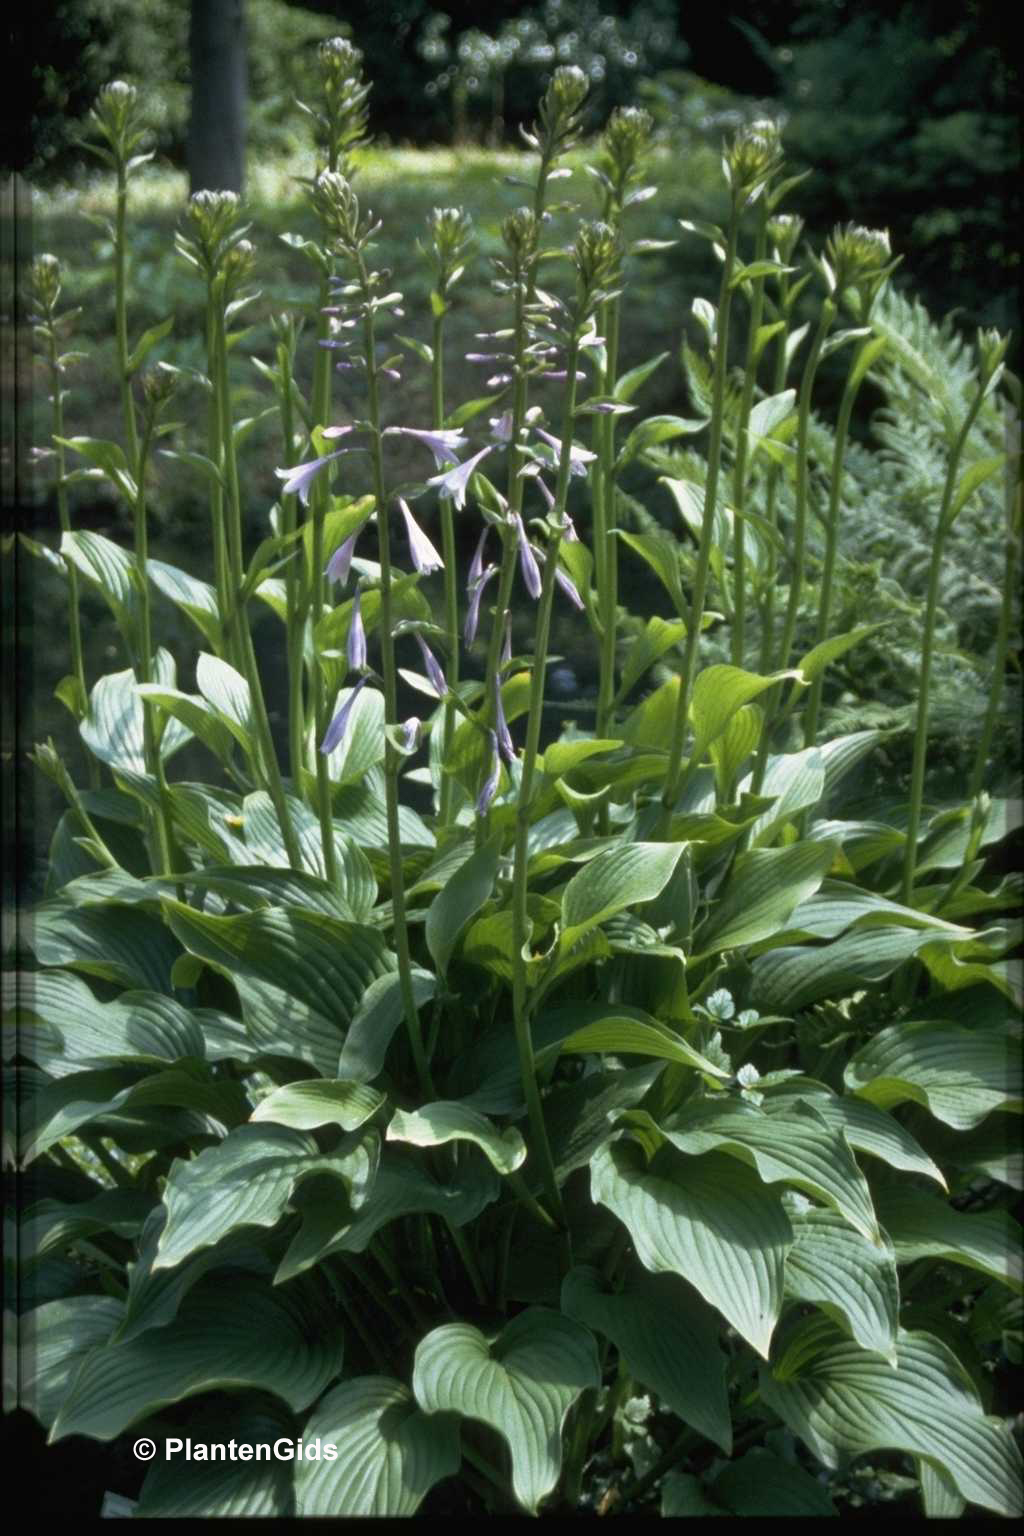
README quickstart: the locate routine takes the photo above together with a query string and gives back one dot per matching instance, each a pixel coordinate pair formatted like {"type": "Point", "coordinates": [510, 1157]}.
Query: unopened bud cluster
{"type": "Point", "coordinates": [45, 284]}
{"type": "Point", "coordinates": [520, 230]}
{"type": "Point", "coordinates": [784, 231]}
{"type": "Point", "coordinates": [626, 139]}
{"type": "Point", "coordinates": [559, 118]}
{"type": "Point", "coordinates": [857, 261]}
{"type": "Point", "coordinates": [337, 206]}
{"type": "Point", "coordinates": [992, 348]}
{"type": "Point", "coordinates": [159, 384]}
{"type": "Point", "coordinates": [117, 115]}
{"type": "Point", "coordinates": [450, 234]}
{"type": "Point", "coordinates": [344, 121]}
{"type": "Point", "coordinates": [216, 231]}
{"type": "Point", "coordinates": [597, 256]}
{"type": "Point", "coordinates": [752, 159]}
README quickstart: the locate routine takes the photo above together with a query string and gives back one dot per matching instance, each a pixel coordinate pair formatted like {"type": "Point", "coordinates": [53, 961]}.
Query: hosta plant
{"type": "Point", "coordinates": [537, 1121]}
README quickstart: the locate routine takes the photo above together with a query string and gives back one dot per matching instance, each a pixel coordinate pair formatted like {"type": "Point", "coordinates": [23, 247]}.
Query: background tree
{"type": "Point", "coordinates": [217, 121]}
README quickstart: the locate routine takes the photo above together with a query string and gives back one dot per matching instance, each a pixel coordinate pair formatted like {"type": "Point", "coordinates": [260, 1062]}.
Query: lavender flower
{"type": "Point", "coordinates": [356, 647]}
{"type": "Point", "coordinates": [338, 726]}
{"type": "Point", "coordinates": [579, 457]}
{"type": "Point", "coordinates": [569, 587]}
{"type": "Point", "coordinates": [501, 730]}
{"type": "Point", "coordinates": [301, 478]}
{"type": "Point", "coordinates": [501, 427]}
{"type": "Point", "coordinates": [437, 678]}
{"type": "Point", "coordinates": [506, 644]}
{"type": "Point", "coordinates": [476, 568]}
{"type": "Point", "coordinates": [473, 613]}
{"type": "Point", "coordinates": [444, 445]}
{"type": "Point", "coordinates": [453, 484]}
{"type": "Point", "coordinates": [490, 788]}
{"type": "Point", "coordinates": [424, 556]}
{"type": "Point", "coordinates": [527, 560]}
{"type": "Point", "coordinates": [409, 733]}
{"type": "Point", "coordinates": [340, 563]}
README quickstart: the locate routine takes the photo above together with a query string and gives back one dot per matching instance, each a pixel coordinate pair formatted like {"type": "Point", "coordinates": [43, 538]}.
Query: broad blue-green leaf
{"type": "Point", "coordinates": [154, 1295]}
{"type": "Point", "coordinates": [77, 1030]}
{"type": "Point", "coordinates": [621, 877]}
{"type": "Point", "coordinates": [839, 905]}
{"type": "Point", "coordinates": [245, 1335]}
{"type": "Point", "coordinates": [390, 1453]}
{"type": "Point", "coordinates": [842, 1403]}
{"type": "Point", "coordinates": [362, 746]}
{"type": "Point", "coordinates": [120, 944]}
{"type": "Point", "coordinates": [434, 1125]}
{"type": "Point", "coordinates": [246, 1180]}
{"type": "Point", "coordinates": [959, 1075]}
{"type": "Point", "coordinates": [108, 567]}
{"type": "Point", "coordinates": [522, 1383]}
{"type": "Point", "coordinates": [795, 1145]}
{"type": "Point", "coordinates": [258, 1488]}
{"type": "Point", "coordinates": [709, 1219]}
{"type": "Point", "coordinates": [404, 1187]}
{"type": "Point", "coordinates": [851, 1280]}
{"type": "Point", "coordinates": [56, 1338]}
{"type": "Point", "coordinates": [796, 782]}
{"type": "Point", "coordinates": [300, 975]}
{"type": "Point", "coordinates": [197, 599]}
{"type": "Point", "coordinates": [866, 1128]}
{"type": "Point", "coordinates": [788, 979]}
{"type": "Point", "coordinates": [374, 1022]}
{"type": "Point", "coordinates": [668, 1340]}
{"type": "Point", "coordinates": [630, 1032]}
{"type": "Point", "coordinates": [763, 889]}
{"type": "Point", "coordinates": [307, 1106]}
{"type": "Point", "coordinates": [227, 692]}
{"type": "Point", "coordinates": [254, 885]}
{"type": "Point", "coordinates": [921, 1227]}
{"type": "Point", "coordinates": [50, 1226]}
{"type": "Point", "coordinates": [114, 731]}
{"type": "Point", "coordinates": [460, 900]}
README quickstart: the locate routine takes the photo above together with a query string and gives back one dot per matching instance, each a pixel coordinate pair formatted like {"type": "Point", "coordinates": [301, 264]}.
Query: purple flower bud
{"type": "Point", "coordinates": [569, 587]}
{"type": "Point", "coordinates": [410, 733]}
{"type": "Point", "coordinates": [527, 560]}
{"type": "Point", "coordinates": [437, 678]}
{"type": "Point", "coordinates": [444, 445]}
{"type": "Point", "coordinates": [300, 479]}
{"type": "Point", "coordinates": [424, 556]}
{"type": "Point", "coordinates": [506, 644]}
{"type": "Point", "coordinates": [579, 457]}
{"type": "Point", "coordinates": [453, 484]}
{"type": "Point", "coordinates": [340, 563]}
{"type": "Point", "coordinates": [504, 736]}
{"type": "Point", "coordinates": [476, 568]}
{"type": "Point", "coordinates": [473, 613]}
{"type": "Point", "coordinates": [547, 494]}
{"type": "Point", "coordinates": [356, 647]}
{"type": "Point", "coordinates": [490, 788]}
{"type": "Point", "coordinates": [338, 726]}
{"type": "Point", "coordinates": [337, 431]}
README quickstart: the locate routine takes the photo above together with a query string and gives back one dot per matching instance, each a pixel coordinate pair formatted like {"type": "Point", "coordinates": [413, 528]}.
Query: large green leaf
{"type": "Point", "coordinates": [403, 1187]}
{"type": "Point", "coordinates": [254, 885]}
{"type": "Point", "coordinates": [255, 1487]}
{"type": "Point", "coordinates": [56, 1338]}
{"type": "Point", "coordinates": [389, 1452]}
{"type": "Point", "coordinates": [363, 744]}
{"type": "Point", "coordinates": [225, 1336]}
{"type": "Point", "coordinates": [50, 1226]}
{"type": "Point", "coordinates": [195, 598]}
{"type": "Point", "coordinates": [709, 1219]}
{"type": "Point", "coordinates": [522, 1383]}
{"type": "Point", "coordinates": [114, 731]}
{"type": "Point", "coordinates": [247, 1180]}
{"type": "Point", "coordinates": [795, 782]}
{"type": "Point", "coordinates": [843, 1402]}
{"type": "Point", "coordinates": [77, 1030]}
{"type": "Point", "coordinates": [307, 1106]}
{"type": "Point", "coordinates": [434, 1125]}
{"type": "Point", "coordinates": [959, 1075]}
{"type": "Point", "coordinates": [621, 877]}
{"type": "Point", "coordinates": [921, 1227]}
{"type": "Point", "coordinates": [718, 693]}
{"type": "Point", "coordinates": [628, 1031]}
{"type": "Point", "coordinates": [866, 1128]}
{"type": "Point", "coordinates": [765, 887]}
{"type": "Point", "coordinates": [793, 977]}
{"type": "Point", "coordinates": [154, 1295]}
{"type": "Point", "coordinates": [227, 692]}
{"type": "Point", "coordinates": [460, 900]}
{"type": "Point", "coordinates": [110, 569]}
{"type": "Point", "coordinates": [668, 1340]}
{"type": "Point", "coordinates": [795, 1145]}
{"type": "Point", "coordinates": [853, 1281]}
{"type": "Point", "coordinates": [374, 1022]}
{"type": "Point", "coordinates": [300, 975]}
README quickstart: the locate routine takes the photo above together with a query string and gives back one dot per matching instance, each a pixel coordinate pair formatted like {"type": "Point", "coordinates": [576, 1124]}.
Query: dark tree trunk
{"type": "Point", "coordinates": [216, 134]}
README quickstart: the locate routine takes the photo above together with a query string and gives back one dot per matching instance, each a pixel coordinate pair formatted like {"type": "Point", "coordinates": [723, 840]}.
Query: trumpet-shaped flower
{"type": "Point", "coordinates": [355, 649]}
{"type": "Point", "coordinates": [340, 563]}
{"type": "Point", "coordinates": [445, 444]}
{"type": "Point", "coordinates": [424, 556]}
{"type": "Point", "coordinates": [504, 736]}
{"type": "Point", "coordinates": [453, 484]}
{"type": "Point", "coordinates": [300, 479]}
{"type": "Point", "coordinates": [473, 611]}
{"type": "Point", "coordinates": [579, 457]}
{"type": "Point", "coordinates": [438, 681]}
{"type": "Point", "coordinates": [339, 725]}
{"type": "Point", "coordinates": [476, 568]}
{"type": "Point", "coordinates": [527, 560]}
{"type": "Point", "coordinates": [490, 788]}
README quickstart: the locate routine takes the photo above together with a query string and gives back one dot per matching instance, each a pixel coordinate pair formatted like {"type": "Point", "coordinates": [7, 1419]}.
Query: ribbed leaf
{"type": "Point", "coordinates": [921, 1227]}
{"type": "Point", "coordinates": [853, 1281]}
{"type": "Point", "coordinates": [138, 1027]}
{"type": "Point", "coordinates": [362, 746]}
{"type": "Point", "coordinates": [709, 1219]}
{"type": "Point", "coordinates": [659, 636]}
{"type": "Point", "coordinates": [959, 1074]}
{"type": "Point", "coordinates": [434, 1125]}
{"type": "Point", "coordinates": [56, 1337]}
{"type": "Point", "coordinates": [227, 692]}
{"type": "Point", "coordinates": [718, 693]}
{"type": "Point", "coordinates": [668, 1340]}
{"type": "Point", "coordinates": [522, 1383]}
{"type": "Point", "coordinates": [791, 978]}
{"type": "Point", "coordinates": [374, 1022]}
{"type": "Point", "coordinates": [796, 782]}
{"type": "Point", "coordinates": [247, 1181]}
{"type": "Point", "coordinates": [403, 1187]}
{"type": "Point", "coordinates": [618, 878]}
{"type": "Point", "coordinates": [300, 975]}
{"type": "Point", "coordinates": [154, 1295]}
{"type": "Point", "coordinates": [866, 1128]}
{"type": "Point", "coordinates": [120, 944]}
{"type": "Point", "coordinates": [199, 717]}
{"type": "Point", "coordinates": [109, 568]}
{"type": "Point", "coordinates": [254, 885]}
{"type": "Point", "coordinates": [197, 599]}
{"type": "Point", "coordinates": [307, 1106]}
{"type": "Point", "coordinates": [113, 730]}
{"type": "Point", "coordinates": [49, 1226]}
{"type": "Point", "coordinates": [258, 1488]}
{"type": "Point", "coordinates": [842, 1402]}
{"type": "Point", "coordinates": [460, 900]}
{"type": "Point", "coordinates": [628, 1031]}
{"type": "Point", "coordinates": [765, 886]}
{"type": "Point", "coordinates": [795, 1145]}
{"type": "Point", "coordinates": [242, 1335]}
{"type": "Point", "coordinates": [390, 1453]}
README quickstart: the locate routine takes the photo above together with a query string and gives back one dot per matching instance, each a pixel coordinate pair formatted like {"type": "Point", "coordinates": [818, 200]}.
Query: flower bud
{"type": "Point", "coordinates": [117, 115]}
{"type": "Point", "coordinates": [627, 136]}
{"type": "Point", "coordinates": [992, 349]}
{"type": "Point", "coordinates": [857, 253]}
{"type": "Point", "coordinates": [450, 232]}
{"type": "Point", "coordinates": [158, 386]}
{"type": "Point", "coordinates": [215, 217]}
{"type": "Point", "coordinates": [559, 109]}
{"type": "Point", "coordinates": [46, 282]}
{"type": "Point", "coordinates": [753, 158]}
{"type": "Point", "coordinates": [520, 232]}
{"type": "Point", "coordinates": [345, 96]}
{"type": "Point", "coordinates": [597, 255]}
{"type": "Point", "coordinates": [784, 231]}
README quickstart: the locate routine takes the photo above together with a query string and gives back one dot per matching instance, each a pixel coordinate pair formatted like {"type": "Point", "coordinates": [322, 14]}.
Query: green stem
{"type": "Point", "coordinates": [700, 581]}
{"type": "Point", "coordinates": [771, 491]}
{"type": "Point", "coordinates": [451, 591]}
{"type": "Point", "coordinates": [321, 499]}
{"type": "Point", "coordinates": [1012, 492]}
{"type": "Point", "coordinates": [739, 472]}
{"type": "Point", "coordinates": [524, 1042]}
{"type": "Point", "coordinates": [121, 316]}
{"type": "Point", "coordinates": [293, 573]}
{"type": "Point", "coordinates": [392, 760]}
{"type": "Point", "coordinates": [927, 652]}
{"type": "Point", "coordinates": [213, 431]}
{"type": "Point", "coordinates": [164, 836]}
{"type": "Point", "coordinates": [606, 547]}
{"type": "Point", "coordinates": [238, 621]}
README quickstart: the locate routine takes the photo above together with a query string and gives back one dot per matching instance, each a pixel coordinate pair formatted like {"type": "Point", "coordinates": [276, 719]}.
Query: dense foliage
{"type": "Point", "coordinates": [544, 1119]}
